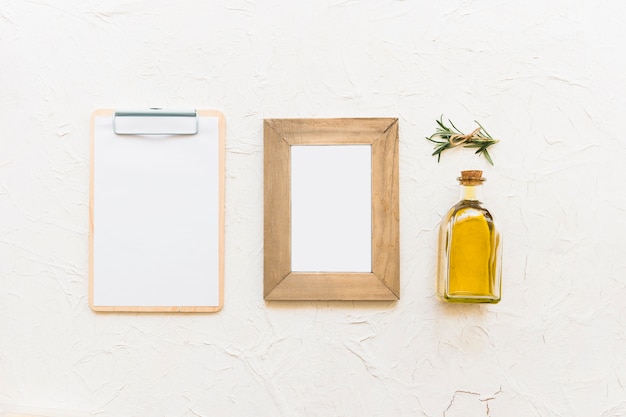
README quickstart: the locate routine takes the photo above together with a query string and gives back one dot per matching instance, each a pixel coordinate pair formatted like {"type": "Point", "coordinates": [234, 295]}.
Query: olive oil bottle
{"type": "Point", "coordinates": [469, 265]}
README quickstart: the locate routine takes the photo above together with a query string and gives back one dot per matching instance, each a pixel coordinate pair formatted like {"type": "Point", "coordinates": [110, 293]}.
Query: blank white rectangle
{"type": "Point", "coordinates": [331, 208]}
{"type": "Point", "coordinates": [156, 212]}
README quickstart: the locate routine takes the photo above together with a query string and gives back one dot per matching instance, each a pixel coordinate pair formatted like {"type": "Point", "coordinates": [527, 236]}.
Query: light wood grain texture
{"type": "Point", "coordinates": [221, 167]}
{"type": "Point", "coordinates": [280, 283]}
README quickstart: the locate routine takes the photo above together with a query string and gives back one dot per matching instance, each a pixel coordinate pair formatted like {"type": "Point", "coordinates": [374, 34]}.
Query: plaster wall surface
{"type": "Point", "coordinates": [548, 78]}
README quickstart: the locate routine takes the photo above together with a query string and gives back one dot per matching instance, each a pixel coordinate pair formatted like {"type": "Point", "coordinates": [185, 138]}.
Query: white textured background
{"type": "Point", "coordinates": [546, 77]}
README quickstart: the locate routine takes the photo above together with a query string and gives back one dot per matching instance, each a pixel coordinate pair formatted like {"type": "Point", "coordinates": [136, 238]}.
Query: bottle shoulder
{"type": "Point", "coordinates": [472, 208]}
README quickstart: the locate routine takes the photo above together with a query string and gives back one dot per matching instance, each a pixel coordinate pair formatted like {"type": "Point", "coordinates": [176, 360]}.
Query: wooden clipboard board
{"type": "Point", "coordinates": [156, 211]}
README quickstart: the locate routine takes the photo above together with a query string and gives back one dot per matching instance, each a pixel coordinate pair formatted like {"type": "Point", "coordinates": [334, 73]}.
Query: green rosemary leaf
{"type": "Point", "coordinates": [430, 138]}
{"type": "Point", "coordinates": [440, 123]}
{"type": "Point", "coordinates": [455, 128]}
{"type": "Point", "coordinates": [487, 156]}
{"type": "Point", "coordinates": [483, 129]}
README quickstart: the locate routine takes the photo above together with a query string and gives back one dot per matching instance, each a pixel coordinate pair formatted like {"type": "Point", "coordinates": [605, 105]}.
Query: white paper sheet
{"type": "Point", "coordinates": [156, 218]}
{"type": "Point", "coordinates": [331, 208]}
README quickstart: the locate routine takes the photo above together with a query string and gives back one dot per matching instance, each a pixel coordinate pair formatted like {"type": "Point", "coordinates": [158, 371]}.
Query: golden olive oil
{"type": "Point", "coordinates": [469, 267]}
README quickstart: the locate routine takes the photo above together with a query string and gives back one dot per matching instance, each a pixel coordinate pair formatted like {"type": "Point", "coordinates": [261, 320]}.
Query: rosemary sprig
{"type": "Point", "coordinates": [449, 137]}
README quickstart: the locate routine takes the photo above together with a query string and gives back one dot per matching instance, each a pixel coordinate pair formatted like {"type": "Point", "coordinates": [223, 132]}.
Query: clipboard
{"type": "Point", "coordinates": [156, 211]}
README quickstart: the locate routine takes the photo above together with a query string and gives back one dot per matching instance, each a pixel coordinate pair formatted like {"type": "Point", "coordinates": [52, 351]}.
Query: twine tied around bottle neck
{"type": "Point", "coordinates": [459, 139]}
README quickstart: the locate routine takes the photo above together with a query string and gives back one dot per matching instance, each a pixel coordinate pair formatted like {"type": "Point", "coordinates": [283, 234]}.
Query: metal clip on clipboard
{"type": "Point", "coordinates": [155, 122]}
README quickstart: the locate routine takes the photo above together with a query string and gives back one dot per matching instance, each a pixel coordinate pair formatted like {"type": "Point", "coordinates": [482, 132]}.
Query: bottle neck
{"type": "Point", "coordinates": [472, 192]}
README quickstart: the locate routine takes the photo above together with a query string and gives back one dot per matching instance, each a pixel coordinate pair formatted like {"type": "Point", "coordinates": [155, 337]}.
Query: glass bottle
{"type": "Point", "coordinates": [469, 264]}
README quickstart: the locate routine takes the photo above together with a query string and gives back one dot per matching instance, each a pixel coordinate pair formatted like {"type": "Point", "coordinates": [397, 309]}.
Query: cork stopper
{"type": "Point", "coordinates": [471, 177]}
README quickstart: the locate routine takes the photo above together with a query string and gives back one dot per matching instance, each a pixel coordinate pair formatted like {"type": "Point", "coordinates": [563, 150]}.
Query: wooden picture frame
{"type": "Point", "coordinates": [280, 282]}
